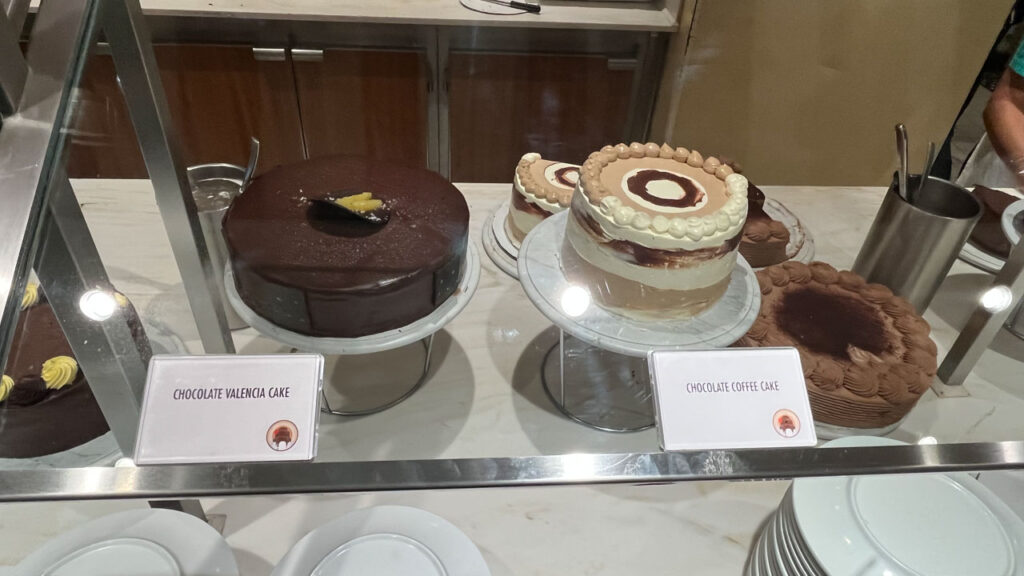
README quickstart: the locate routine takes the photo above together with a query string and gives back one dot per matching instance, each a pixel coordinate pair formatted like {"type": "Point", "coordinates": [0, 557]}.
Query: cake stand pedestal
{"type": "Point", "coordinates": [599, 377]}
{"type": "Point", "coordinates": [497, 244]}
{"type": "Point", "coordinates": [421, 331]}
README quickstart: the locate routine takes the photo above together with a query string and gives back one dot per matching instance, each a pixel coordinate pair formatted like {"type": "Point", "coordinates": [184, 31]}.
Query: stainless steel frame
{"type": "Point", "coordinates": [157, 482]}
{"type": "Point", "coordinates": [128, 35]}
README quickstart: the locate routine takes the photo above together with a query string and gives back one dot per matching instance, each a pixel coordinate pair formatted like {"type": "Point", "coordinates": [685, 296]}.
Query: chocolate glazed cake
{"type": "Point", "coordinates": [866, 353]}
{"type": "Point", "coordinates": [764, 239]}
{"type": "Point", "coordinates": [46, 405]}
{"type": "Point", "coordinates": [312, 269]}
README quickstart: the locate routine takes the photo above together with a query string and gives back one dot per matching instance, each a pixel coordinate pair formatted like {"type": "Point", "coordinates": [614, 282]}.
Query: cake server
{"type": "Point", "coordinates": [928, 162]}
{"type": "Point", "coordinates": [254, 157]}
{"type": "Point", "coordinates": [535, 8]}
{"type": "Point", "coordinates": [901, 150]}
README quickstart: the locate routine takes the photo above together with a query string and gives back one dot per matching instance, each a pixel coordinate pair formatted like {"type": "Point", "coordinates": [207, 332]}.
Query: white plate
{"type": "Point", "coordinates": [801, 243]}
{"type": "Point", "coordinates": [545, 283]}
{"type": "Point", "coordinates": [136, 542]}
{"type": "Point", "coordinates": [500, 229]}
{"type": "Point", "coordinates": [906, 524]}
{"type": "Point", "coordinates": [1012, 234]}
{"type": "Point", "coordinates": [385, 541]}
{"type": "Point", "coordinates": [389, 340]}
{"type": "Point", "coordinates": [505, 261]}
{"type": "Point", "coordinates": [980, 259]}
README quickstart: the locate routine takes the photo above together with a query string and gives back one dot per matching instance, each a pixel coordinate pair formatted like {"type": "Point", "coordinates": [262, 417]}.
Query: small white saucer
{"type": "Point", "coordinates": [494, 248]}
{"type": "Point", "coordinates": [545, 283]}
{"type": "Point", "coordinates": [385, 541]}
{"type": "Point", "coordinates": [979, 258]}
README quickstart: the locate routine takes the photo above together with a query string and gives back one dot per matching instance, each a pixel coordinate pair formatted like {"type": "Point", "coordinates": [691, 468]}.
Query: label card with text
{"type": "Point", "coordinates": [731, 398]}
{"type": "Point", "coordinates": [208, 409]}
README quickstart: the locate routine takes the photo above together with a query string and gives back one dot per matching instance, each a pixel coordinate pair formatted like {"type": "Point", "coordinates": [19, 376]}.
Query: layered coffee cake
{"type": "Point", "coordinates": [315, 270]}
{"type": "Point", "coordinates": [540, 188]}
{"type": "Point", "coordinates": [653, 230]}
{"type": "Point", "coordinates": [867, 356]}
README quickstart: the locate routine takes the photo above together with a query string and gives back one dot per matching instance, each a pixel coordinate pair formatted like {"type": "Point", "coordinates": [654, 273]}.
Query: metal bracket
{"type": "Point", "coordinates": [307, 55]}
{"type": "Point", "coordinates": [269, 54]}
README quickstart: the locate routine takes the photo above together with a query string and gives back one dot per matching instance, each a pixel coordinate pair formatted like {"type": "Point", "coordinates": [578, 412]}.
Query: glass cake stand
{"type": "Point", "coordinates": [421, 331]}
{"type": "Point", "coordinates": [801, 243]}
{"type": "Point", "coordinates": [497, 244]}
{"type": "Point", "coordinates": [601, 369]}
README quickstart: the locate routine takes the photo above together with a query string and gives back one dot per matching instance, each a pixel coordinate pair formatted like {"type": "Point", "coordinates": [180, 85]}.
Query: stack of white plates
{"type": "Point", "coordinates": [894, 525]}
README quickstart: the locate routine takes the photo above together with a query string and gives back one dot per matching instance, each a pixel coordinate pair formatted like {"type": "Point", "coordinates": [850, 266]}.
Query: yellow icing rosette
{"type": "Point", "coordinates": [31, 296]}
{"type": "Point", "coordinates": [6, 384]}
{"type": "Point", "coordinates": [59, 371]}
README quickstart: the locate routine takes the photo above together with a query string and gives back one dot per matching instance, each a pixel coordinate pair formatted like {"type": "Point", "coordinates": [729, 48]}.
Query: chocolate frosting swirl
{"type": "Point", "coordinates": [926, 362]}
{"type": "Point", "coordinates": [778, 275]}
{"type": "Point", "coordinates": [850, 280]}
{"type": "Point", "coordinates": [824, 273]}
{"type": "Point", "coordinates": [778, 230]}
{"type": "Point", "coordinates": [828, 376]}
{"type": "Point", "coordinates": [920, 341]}
{"type": "Point", "coordinates": [862, 357]}
{"type": "Point", "coordinates": [898, 306]}
{"type": "Point", "coordinates": [759, 331]}
{"type": "Point", "coordinates": [757, 231]}
{"type": "Point", "coordinates": [876, 293]}
{"type": "Point", "coordinates": [764, 284]}
{"type": "Point", "coordinates": [27, 391]}
{"type": "Point", "coordinates": [798, 272]}
{"type": "Point", "coordinates": [917, 382]}
{"type": "Point", "coordinates": [893, 389]}
{"type": "Point", "coordinates": [862, 380]}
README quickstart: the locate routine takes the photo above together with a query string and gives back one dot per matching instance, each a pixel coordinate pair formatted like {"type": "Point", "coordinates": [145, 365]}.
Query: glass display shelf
{"type": "Point", "coordinates": [482, 417]}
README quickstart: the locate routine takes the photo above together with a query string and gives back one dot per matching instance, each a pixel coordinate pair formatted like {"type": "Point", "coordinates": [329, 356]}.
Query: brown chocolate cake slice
{"type": "Point", "coordinates": [764, 239]}
{"type": "Point", "coordinates": [46, 405]}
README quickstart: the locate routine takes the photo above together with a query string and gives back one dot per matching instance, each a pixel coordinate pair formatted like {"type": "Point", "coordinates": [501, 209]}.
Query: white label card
{"type": "Point", "coordinates": [730, 399]}
{"type": "Point", "coordinates": [230, 409]}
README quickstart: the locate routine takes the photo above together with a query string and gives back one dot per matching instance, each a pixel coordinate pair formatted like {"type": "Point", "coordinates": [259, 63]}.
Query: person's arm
{"type": "Point", "coordinates": [1004, 121]}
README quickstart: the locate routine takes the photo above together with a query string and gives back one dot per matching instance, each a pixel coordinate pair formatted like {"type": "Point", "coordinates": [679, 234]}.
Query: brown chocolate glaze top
{"type": "Point", "coordinates": [272, 228]}
{"type": "Point", "coordinates": [829, 323]}
{"type": "Point", "coordinates": [37, 338]}
{"type": "Point", "coordinates": [638, 182]}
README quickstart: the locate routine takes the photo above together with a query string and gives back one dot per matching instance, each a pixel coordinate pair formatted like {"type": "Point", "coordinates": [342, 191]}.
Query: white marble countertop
{"type": "Point", "coordinates": [654, 16]}
{"type": "Point", "coordinates": [484, 399]}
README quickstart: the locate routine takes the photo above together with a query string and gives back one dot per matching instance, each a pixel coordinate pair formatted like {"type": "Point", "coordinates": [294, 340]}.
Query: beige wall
{"type": "Point", "coordinates": [808, 91]}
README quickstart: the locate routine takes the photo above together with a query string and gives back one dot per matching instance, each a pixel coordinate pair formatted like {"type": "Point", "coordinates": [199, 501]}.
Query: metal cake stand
{"type": "Point", "coordinates": [497, 244]}
{"type": "Point", "coordinates": [421, 331]}
{"type": "Point", "coordinates": [601, 369]}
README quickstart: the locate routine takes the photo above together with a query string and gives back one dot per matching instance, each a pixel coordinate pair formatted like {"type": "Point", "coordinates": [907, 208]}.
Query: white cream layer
{"type": "Point", "coordinates": [524, 221]}
{"type": "Point", "coordinates": [700, 275]}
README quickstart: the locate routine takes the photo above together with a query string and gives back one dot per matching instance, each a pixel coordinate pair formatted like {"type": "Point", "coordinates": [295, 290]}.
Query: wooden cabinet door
{"type": "Point", "coordinates": [504, 105]}
{"type": "Point", "coordinates": [367, 102]}
{"type": "Point", "coordinates": [218, 96]}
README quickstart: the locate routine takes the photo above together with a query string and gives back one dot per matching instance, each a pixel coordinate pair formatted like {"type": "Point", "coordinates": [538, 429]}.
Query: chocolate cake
{"type": "Point", "coordinates": [988, 234]}
{"type": "Point", "coordinates": [866, 353]}
{"type": "Point", "coordinates": [764, 239]}
{"type": "Point", "coordinates": [540, 188]}
{"type": "Point", "coordinates": [653, 230]}
{"type": "Point", "coordinates": [312, 269]}
{"type": "Point", "coordinates": [46, 405]}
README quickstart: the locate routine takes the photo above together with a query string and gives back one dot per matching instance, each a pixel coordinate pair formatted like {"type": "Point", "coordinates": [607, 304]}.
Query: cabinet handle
{"type": "Point", "coordinates": [307, 55]}
{"type": "Point", "coordinates": [269, 54]}
{"type": "Point", "coordinates": [622, 63]}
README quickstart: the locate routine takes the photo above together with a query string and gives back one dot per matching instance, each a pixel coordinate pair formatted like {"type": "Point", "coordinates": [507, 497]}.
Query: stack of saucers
{"type": "Point", "coordinates": [893, 525]}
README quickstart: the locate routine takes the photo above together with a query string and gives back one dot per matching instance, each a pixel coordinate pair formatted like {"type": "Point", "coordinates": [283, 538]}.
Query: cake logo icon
{"type": "Point", "coordinates": [282, 435]}
{"type": "Point", "coordinates": [786, 423]}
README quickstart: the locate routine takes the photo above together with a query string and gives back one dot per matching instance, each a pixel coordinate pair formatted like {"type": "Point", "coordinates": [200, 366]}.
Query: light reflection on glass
{"type": "Point", "coordinates": [97, 305]}
{"type": "Point", "coordinates": [997, 299]}
{"type": "Point", "coordinates": [575, 301]}
{"type": "Point", "coordinates": [928, 440]}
